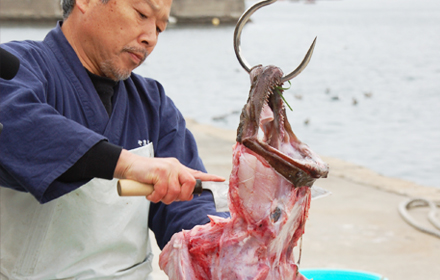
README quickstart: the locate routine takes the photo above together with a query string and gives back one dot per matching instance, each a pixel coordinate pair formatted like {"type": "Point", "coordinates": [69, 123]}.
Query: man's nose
{"type": "Point", "coordinates": [148, 37]}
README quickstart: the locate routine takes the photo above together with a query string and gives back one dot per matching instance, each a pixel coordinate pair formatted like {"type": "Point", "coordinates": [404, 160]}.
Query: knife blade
{"type": "Point", "coordinates": [219, 191]}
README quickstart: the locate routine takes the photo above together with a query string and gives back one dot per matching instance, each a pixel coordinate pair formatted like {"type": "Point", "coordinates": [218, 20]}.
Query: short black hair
{"type": "Point", "coordinates": [67, 6]}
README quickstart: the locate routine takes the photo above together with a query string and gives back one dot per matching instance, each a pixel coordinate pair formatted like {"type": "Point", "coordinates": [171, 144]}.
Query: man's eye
{"type": "Point", "coordinates": [142, 15]}
{"type": "Point", "coordinates": [158, 30]}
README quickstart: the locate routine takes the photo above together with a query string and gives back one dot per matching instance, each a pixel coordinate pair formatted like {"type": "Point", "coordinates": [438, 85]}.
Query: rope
{"type": "Point", "coordinates": [432, 215]}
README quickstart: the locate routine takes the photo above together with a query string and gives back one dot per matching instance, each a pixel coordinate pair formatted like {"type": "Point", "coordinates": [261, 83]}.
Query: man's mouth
{"type": "Point", "coordinates": [138, 56]}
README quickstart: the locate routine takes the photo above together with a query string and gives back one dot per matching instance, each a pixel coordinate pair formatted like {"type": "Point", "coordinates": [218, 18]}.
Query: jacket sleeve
{"type": "Point", "coordinates": [177, 141]}
{"type": "Point", "coordinates": [38, 143]}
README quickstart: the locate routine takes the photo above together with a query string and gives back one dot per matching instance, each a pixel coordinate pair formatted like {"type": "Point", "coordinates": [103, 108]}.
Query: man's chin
{"type": "Point", "coordinates": [122, 76]}
{"type": "Point", "coordinates": [115, 73]}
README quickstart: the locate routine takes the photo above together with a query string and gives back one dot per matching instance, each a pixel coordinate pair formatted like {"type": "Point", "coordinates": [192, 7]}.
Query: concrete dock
{"type": "Point", "coordinates": [358, 227]}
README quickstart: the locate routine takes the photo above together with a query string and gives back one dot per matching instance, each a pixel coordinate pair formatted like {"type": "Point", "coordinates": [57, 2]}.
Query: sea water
{"type": "Point", "coordinates": [370, 94]}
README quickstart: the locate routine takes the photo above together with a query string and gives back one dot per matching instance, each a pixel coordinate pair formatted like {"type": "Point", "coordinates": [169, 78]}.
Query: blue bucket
{"type": "Point", "coordinates": [336, 274]}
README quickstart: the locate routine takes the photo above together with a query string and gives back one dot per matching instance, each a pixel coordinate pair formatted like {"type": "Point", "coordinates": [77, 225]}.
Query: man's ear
{"type": "Point", "coordinates": [82, 5]}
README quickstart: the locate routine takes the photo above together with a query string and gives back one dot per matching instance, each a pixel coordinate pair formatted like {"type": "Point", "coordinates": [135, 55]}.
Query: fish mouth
{"type": "Point", "coordinates": [279, 147]}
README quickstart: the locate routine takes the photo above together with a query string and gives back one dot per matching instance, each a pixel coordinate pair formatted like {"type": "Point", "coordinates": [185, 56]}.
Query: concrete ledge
{"type": "Point", "coordinates": [358, 227]}
{"type": "Point", "coordinates": [340, 168]}
{"type": "Point", "coordinates": [367, 177]}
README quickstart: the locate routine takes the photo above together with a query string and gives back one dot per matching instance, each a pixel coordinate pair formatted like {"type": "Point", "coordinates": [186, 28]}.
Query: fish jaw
{"type": "Point", "coordinates": [262, 83]}
{"type": "Point", "coordinates": [282, 150]}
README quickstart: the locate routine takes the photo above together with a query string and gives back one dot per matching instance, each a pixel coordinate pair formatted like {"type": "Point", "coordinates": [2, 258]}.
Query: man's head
{"type": "Point", "coordinates": [113, 37]}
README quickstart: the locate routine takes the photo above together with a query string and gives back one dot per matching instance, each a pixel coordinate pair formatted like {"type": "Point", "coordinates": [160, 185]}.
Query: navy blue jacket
{"type": "Point", "coordinates": [52, 116]}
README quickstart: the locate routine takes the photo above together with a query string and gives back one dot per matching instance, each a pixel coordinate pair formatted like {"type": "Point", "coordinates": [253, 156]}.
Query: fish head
{"type": "Point", "coordinates": [272, 174]}
{"type": "Point", "coordinates": [280, 147]}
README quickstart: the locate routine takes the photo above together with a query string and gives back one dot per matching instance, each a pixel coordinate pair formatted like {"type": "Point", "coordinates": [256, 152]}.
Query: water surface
{"type": "Point", "coordinates": [370, 95]}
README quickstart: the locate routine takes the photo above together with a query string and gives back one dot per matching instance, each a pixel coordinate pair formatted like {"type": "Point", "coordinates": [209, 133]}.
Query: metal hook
{"type": "Point", "coordinates": [237, 35]}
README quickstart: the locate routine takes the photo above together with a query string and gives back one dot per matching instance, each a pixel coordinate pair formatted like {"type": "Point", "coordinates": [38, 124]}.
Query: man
{"type": "Point", "coordinates": [75, 116]}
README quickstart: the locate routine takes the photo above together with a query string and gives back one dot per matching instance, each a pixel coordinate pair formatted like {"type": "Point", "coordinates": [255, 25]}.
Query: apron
{"type": "Point", "coordinates": [90, 233]}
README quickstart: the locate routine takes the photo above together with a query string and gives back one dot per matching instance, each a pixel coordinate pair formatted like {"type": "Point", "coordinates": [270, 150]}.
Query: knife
{"type": "Point", "coordinates": [219, 191]}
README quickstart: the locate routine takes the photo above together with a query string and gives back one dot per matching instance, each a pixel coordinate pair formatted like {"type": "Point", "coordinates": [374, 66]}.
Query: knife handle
{"type": "Point", "coordinates": [128, 187]}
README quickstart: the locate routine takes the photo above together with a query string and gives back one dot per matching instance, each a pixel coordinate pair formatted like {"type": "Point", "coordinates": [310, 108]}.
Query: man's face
{"type": "Point", "coordinates": [120, 34]}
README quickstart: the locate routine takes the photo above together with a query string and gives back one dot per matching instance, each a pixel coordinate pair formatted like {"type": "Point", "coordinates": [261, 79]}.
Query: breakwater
{"type": "Point", "coordinates": [206, 11]}
{"type": "Point", "coordinates": [183, 11]}
{"type": "Point", "coordinates": [17, 10]}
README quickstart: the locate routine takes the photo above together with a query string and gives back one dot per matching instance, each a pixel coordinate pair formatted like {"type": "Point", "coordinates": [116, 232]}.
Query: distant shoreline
{"type": "Point", "coordinates": [182, 11]}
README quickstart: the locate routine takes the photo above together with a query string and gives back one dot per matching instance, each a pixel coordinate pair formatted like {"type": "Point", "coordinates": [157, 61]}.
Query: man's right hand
{"type": "Point", "coordinates": [172, 181]}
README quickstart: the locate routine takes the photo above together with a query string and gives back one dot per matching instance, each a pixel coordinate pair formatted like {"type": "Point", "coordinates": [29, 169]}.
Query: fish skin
{"type": "Point", "coordinates": [269, 199]}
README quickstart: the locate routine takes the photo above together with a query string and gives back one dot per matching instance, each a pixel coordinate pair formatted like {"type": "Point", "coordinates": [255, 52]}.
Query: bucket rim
{"type": "Point", "coordinates": [342, 270]}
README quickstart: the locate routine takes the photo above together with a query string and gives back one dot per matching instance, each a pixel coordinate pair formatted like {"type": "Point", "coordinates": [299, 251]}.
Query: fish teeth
{"type": "Point", "coordinates": [266, 100]}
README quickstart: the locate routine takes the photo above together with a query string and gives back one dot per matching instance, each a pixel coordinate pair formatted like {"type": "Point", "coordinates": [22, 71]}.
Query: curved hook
{"type": "Point", "coordinates": [237, 38]}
